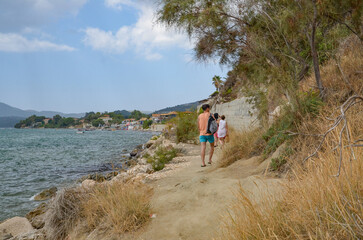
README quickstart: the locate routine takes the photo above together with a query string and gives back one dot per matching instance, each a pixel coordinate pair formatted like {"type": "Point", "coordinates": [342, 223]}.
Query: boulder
{"type": "Point", "coordinates": [5, 236]}
{"type": "Point", "coordinates": [140, 169]}
{"type": "Point", "coordinates": [111, 175]}
{"type": "Point", "coordinates": [46, 194]}
{"type": "Point", "coordinates": [95, 177]}
{"type": "Point", "coordinates": [16, 226]}
{"type": "Point", "coordinates": [134, 152]}
{"type": "Point", "coordinates": [88, 183]}
{"type": "Point", "coordinates": [36, 217]}
{"type": "Point", "coordinates": [34, 235]}
{"type": "Point", "coordinates": [149, 144]}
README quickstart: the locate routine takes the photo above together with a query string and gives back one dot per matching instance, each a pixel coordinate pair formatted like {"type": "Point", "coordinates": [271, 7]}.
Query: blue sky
{"type": "Point", "coordinates": [95, 55]}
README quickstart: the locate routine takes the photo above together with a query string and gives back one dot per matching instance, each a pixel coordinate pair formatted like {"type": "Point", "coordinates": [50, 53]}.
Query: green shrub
{"type": "Point", "coordinates": [186, 127]}
{"type": "Point", "coordinates": [162, 156]}
{"type": "Point", "coordinates": [146, 124]}
{"type": "Point", "coordinates": [308, 104]}
{"type": "Point", "coordinates": [277, 163]}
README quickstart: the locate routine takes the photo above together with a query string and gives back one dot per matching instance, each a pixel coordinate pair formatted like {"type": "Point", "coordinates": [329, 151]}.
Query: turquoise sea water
{"type": "Point", "coordinates": [32, 160]}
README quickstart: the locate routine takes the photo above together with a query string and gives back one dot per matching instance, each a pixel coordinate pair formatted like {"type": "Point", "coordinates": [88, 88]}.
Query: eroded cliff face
{"type": "Point", "coordinates": [239, 113]}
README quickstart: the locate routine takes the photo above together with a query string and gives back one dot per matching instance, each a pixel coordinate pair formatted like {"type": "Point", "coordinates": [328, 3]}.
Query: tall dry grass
{"type": "Point", "coordinates": [111, 209]}
{"type": "Point", "coordinates": [240, 145]}
{"type": "Point", "coordinates": [315, 204]}
{"type": "Point", "coordinates": [117, 208]}
{"type": "Point", "coordinates": [64, 213]}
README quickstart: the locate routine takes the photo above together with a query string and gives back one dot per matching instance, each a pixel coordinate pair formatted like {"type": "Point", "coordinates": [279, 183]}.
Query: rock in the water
{"type": "Point", "coordinates": [94, 176]}
{"type": "Point", "coordinates": [149, 144]}
{"type": "Point", "coordinates": [16, 226]}
{"type": "Point", "coordinates": [88, 183]}
{"type": "Point", "coordinates": [110, 175]}
{"type": "Point", "coordinates": [46, 194]}
{"type": "Point", "coordinates": [36, 217]}
{"type": "Point", "coordinates": [134, 152]}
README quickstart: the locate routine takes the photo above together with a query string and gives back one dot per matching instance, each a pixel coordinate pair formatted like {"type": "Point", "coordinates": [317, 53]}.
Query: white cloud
{"type": "Point", "coordinates": [117, 4]}
{"type": "Point", "coordinates": [16, 15]}
{"type": "Point", "coordinates": [145, 36]}
{"type": "Point", "coordinates": [11, 42]}
{"type": "Point", "coordinates": [107, 41]}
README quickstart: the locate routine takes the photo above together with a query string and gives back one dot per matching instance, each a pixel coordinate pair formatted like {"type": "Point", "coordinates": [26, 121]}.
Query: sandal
{"type": "Point", "coordinates": [210, 163]}
{"type": "Point", "coordinates": [204, 165]}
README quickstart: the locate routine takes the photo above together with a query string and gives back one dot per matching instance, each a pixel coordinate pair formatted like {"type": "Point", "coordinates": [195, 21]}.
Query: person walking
{"type": "Point", "coordinates": [222, 130]}
{"type": "Point", "coordinates": [204, 136]}
{"type": "Point", "coordinates": [216, 117]}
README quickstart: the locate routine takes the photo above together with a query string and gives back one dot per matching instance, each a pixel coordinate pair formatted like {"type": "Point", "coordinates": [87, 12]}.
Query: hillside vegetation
{"type": "Point", "coordinates": [305, 58]}
{"type": "Point", "coordinates": [323, 199]}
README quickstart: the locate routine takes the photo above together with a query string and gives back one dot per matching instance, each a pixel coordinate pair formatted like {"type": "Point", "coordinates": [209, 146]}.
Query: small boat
{"type": "Point", "coordinates": [80, 132]}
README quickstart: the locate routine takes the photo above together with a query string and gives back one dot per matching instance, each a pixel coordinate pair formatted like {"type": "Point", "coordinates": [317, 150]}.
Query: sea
{"type": "Point", "coordinates": [32, 160]}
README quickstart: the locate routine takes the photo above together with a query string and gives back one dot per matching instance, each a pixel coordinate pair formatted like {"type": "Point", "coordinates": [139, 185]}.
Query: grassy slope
{"type": "Point", "coordinates": [316, 204]}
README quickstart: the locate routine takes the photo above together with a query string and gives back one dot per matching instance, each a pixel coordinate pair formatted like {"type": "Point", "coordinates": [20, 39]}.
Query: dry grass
{"type": "Point", "coordinates": [64, 213]}
{"type": "Point", "coordinates": [110, 209]}
{"type": "Point", "coordinates": [241, 144]}
{"type": "Point", "coordinates": [116, 208]}
{"type": "Point", "coordinates": [315, 203]}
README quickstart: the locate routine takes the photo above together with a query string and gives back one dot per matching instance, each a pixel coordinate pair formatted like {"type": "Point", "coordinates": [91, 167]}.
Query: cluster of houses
{"type": "Point", "coordinates": [127, 124]}
{"type": "Point", "coordinates": [159, 118]}
{"type": "Point", "coordinates": [132, 124]}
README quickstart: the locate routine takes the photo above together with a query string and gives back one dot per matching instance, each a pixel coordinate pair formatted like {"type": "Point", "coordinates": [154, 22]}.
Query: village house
{"type": "Point", "coordinates": [46, 120]}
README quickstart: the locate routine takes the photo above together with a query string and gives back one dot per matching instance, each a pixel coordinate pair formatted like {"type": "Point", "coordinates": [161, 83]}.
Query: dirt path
{"type": "Point", "coordinates": [189, 204]}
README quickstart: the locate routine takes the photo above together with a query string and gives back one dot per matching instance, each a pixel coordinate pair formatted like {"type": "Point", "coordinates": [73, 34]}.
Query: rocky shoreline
{"type": "Point", "coordinates": [31, 227]}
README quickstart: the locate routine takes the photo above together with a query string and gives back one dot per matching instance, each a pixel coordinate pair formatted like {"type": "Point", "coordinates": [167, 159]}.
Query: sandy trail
{"type": "Point", "coordinates": [189, 204]}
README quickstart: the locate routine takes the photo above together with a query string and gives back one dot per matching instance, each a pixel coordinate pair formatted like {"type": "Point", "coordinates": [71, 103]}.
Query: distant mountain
{"type": "Point", "coordinates": [9, 114]}
{"type": "Point", "coordinates": [9, 122]}
{"type": "Point", "coordinates": [9, 111]}
{"type": "Point", "coordinates": [179, 108]}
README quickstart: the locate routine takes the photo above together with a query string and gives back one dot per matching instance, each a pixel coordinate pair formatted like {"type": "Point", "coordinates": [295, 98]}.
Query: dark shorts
{"type": "Point", "coordinates": [205, 138]}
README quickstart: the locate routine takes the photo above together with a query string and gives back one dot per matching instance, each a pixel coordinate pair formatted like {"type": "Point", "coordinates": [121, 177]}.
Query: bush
{"type": "Point", "coordinates": [117, 208]}
{"type": "Point", "coordinates": [186, 125]}
{"type": "Point", "coordinates": [146, 124]}
{"type": "Point", "coordinates": [162, 156]}
{"type": "Point", "coordinates": [241, 145]}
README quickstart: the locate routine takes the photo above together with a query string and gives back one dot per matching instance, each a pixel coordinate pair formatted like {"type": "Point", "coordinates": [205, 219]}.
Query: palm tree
{"type": "Point", "coordinates": [217, 82]}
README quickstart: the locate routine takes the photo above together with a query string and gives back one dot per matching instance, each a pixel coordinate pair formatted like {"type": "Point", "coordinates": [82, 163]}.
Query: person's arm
{"type": "Point", "coordinates": [198, 123]}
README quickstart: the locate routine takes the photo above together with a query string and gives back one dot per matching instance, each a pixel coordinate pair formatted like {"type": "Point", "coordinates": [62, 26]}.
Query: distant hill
{"type": "Point", "coordinates": [9, 122]}
{"type": "Point", "coordinates": [9, 111]}
{"type": "Point", "coordinates": [10, 115]}
{"type": "Point", "coordinates": [124, 113]}
{"type": "Point", "coordinates": [179, 108]}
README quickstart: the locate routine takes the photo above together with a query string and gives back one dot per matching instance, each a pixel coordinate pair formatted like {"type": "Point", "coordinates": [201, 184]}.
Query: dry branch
{"type": "Point", "coordinates": [353, 100]}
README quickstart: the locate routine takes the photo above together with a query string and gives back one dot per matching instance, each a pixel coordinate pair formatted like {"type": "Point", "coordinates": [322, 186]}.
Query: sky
{"type": "Point", "coordinates": [96, 55]}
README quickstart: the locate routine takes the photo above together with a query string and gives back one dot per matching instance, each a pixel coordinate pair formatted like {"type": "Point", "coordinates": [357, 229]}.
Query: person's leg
{"type": "Point", "coordinates": [216, 142]}
{"type": "Point", "coordinates": [211, 142]}
{"type": "Point", "coordinates": [202, 153]}
{"type": "Point", "coordinates": [211, 152]}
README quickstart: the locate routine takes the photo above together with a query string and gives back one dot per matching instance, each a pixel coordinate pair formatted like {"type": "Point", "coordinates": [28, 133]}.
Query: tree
{"type": "Point", "coordinates": [266, 43]}
{"type": "Point", "coordinates": [98, 122]}
{"type": "Point", "coordinates": [146, 124]}
{"type": "Point", "coordinates": [56, 119]}
{"type": "Point", "coordinates": [217, 82]}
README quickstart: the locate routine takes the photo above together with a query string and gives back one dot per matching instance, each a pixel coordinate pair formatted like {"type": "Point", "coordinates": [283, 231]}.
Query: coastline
{"type": "Point", "coordinates": [136, 170]}
{"type": "Point", "coordinates": [103, 170]}
{"type": "Point", "coordinates": [182, 192]}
